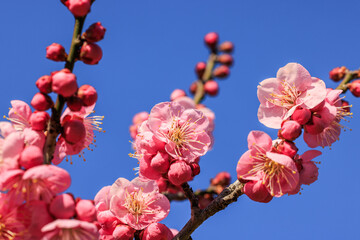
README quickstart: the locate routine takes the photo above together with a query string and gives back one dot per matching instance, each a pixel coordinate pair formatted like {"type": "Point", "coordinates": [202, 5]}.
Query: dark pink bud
{"type": "Point", "coordinates": [74, 103]}
{"type": "Point", "coordinates": [62, 206]}
{"type": "Point", "coordinates": [193, 87]}
{"type": "Point", "coordinates": [39, 120]}
{"type": "Point", "coordinates": [162, 184]}
{"type": "Point", "coordinates": [160, 162]}
{"type": "Point", "coordinates": [354, 88]}
{"type": "Point", "coordinates": [287, 148]}
{"type": "Point", "coordinates": [211, 39]}
{"type": "Point", "coordinates": [200, 69]}
{"type": "Point", "coordinates": [177, 93]}
{"type": "Point", "coordinates": [338, 73]}
{"type": "Point", "coordinates": [90, 53]}
{"type": "Point", "coordinates": [179, 173]}
{"type": "Point", "coordinates": [56, 52]}
{"type": "Point", "coordinates": [78, 7]}
{"type": "Point", "coordinates": [221, 71]}
{"type": "Point", "coordinates": [44, 84]}
{"type": "Point", "coordinates": [87, 94]}
{"type": "Point", "coordinates": [85, 210]}
{"type": "Point", "coordinates": [315, 126]}
{"type": "Point", "coordinates": [64, 83]}
{"type": "Point", "coordinates": [95, 32]}
{"type": "Point", "coordinates": [257, 191]}
{"type": "Point", "coordinates": [74, 131]}
{"type": "Point", "coordinates": [157, 231]}
{"type": "Point", "coordinates": [220, 181]}
{"type": "Point", "coordinates": [226, 47]}
{"type": "Point", "coordinates": [301, 115]}
{"type": "Point", "coordinates": [31, 156]}
{"type": "Point", "coordinates": [290, 130]}
{"type": "Point", "coordinates": [195, 169]}
{"type": "Point", "coordinates": [41, 102]}
{"type": "Point", "coordinates": [205, 200]}
{"type": "Point", "coordinates": [123, 232]}
{"type": "Point", "coordinates": [211, 87]}
{"type": "Point", "coordinates": [225, 59]}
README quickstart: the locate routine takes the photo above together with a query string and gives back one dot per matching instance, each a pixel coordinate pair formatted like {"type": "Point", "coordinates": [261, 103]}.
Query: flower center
{"type": "Point", "coordinates": [287, 97]}
{"type": "Point", "coordinates": [135, 203]}
{"type": "Point", "coordinates": [6, 233]}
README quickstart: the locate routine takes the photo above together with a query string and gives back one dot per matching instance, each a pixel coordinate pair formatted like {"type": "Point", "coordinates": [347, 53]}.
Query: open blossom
{"type": "Point", "coordinates": [325, 128]}
{"type": "Point", "coordinates": [277, 172]}
{"type": "Point", "coordinates": [292, 87]}
{"type": "Point", "coordinates": [91, 124]}
{"type": "Point", "coordinates": [182, 130]}
{"type": "Point", "coordinates": [137, 203]}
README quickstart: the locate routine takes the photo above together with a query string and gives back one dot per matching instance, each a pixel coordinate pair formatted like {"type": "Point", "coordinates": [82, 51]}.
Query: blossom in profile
{"type": "Point", "coordinates": [277, 172]}
{"type": "Point", "coordinates": [184, 131]}
{"type": "Point", "coordinates": [280, 96]}
{"type": "Point", "coordinates": [138, 203]}
{"type": "Point", "coordinates": [64, 229]}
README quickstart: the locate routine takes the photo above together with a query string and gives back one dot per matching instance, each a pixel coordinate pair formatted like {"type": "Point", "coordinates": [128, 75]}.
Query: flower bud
{"type": "Point", "coordinates": [301, 115]}
{"type": "Point", "coordinates": [94, 33]}
{"type": "Point", "coordinates": [257, 191]}
{"type": "Point", "coordinates": [225, 59]}
{"type": "Point", "coordinates": [85, 210]}
{"type": "Point", "coordinates": [220, 181]}
{"type": "Point", "coordinates": [64, 83]}
{"type": "Point", "coordinates": [162, 184]}
{"type": "Point", "coordinates": [211, 39]}
{"type": "Point", "coordinates": [31, 156]}
{"type": "Point", "coordinates": [123, 232]}
{"type": "Point", "coordinates": [39, 120]}
{"type": "Point", "coordinates": [193, 87]}
{"type": "Point", "coordinates": [87, 94]}
{"type": "Point", "coordinates": [74, 131]}
{"type": "Point", "coordinates": [221, 71]}
{"type": "Point", "coordinates": [338, 73]}
{"type": "Point", "coordinates": [62, 206]}
{"type": "Point", "coordinates": [179, 173]}
{"type": "Point", "coordinates": [177, 93]}
{"type": "Point", "coordinates": [41, 102]}
{"type": "Point", "coordinates": [200, 69]}
{"type": "Point", "coordinates": [205, 200]}
{"type": "Point", "coordinates": [74, 103]}
{"type": "Point", "coordinates": [354, 88]}
{"type": "Point", "coordinates": [290, 130]}
{"type": "Point", "coordinates": [160, 162]}
{"type": "Point", "coordinates": [227, 47]}
{"type": "Point", "coordinates": [78, 7]}
{"type": "Point", "coordinates": [285, 147]}
{"type": "Point", "coordinates": [211, 87]}
{"type": "Point", "coordinates": [44, 84]}
{"type": "Point", "coordinates": [195, 169]}
{"type": "Point", "coordinates": [157, 231]}
{"type": "Point", "coordinates": [56, 52]}
{"type": "Point", "coordinates": [90, 53]}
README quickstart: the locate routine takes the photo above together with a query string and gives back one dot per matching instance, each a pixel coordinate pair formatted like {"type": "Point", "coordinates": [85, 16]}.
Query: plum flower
{"type": "Point", "coordinates": [184, 131]}
{"type": "Point", "coordinates": [280, 96]}
{"type": "Point", "coordinates": [331, 114]}
{"type": "Point", "coordinates": [138, 203]}
{"type": "Point", "coordinates": [277, 172]}
{"type": "Point", "coordinates": [91, 124]}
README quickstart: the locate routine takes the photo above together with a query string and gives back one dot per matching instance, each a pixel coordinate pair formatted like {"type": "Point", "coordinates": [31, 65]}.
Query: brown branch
{"type": "Point", "coordinates": [180, 196]}
{"type": "Point", "coordinates": [226, 197]}
{"type": "Point", "coordinates": [194, 202]}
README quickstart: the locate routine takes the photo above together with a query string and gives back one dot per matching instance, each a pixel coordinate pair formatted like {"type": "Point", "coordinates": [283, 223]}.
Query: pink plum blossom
{"type": "Point", "coordinates": [157, 231]}
{"type": "Point", "coordinates": [138, 203]}
{"type": "Point", "coordinates": [280, 96]}
{"type": "Point", "coordinates": [277, 172]}
{"type": "Point", "coordinates": [64, 229]}
{"type": "Point", "coordinates": [91, 124]}
{"type": "Point", "coordinates": [328, 121]}
{"type": "Point", "coordinates": [40, 182]}
{"type": "Point", "coordinates": [182, 130]}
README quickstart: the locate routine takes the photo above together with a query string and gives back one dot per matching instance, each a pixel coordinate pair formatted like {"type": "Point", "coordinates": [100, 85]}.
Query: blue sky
{"type": "Point", "coordinates": [151, 47]}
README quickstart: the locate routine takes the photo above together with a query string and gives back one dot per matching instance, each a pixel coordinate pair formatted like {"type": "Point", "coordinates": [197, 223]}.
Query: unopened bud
{"type": "Point", "coordinates": [64, 83]}
{"type": "Point", "coordinates": [177, 93]}
{"type": "Point", "coordinates": [225, 59]}
{"type": "Point", "coordinates": [87, 94]}
{"type": "Point", "coordinates": [301, 115]}
{"type": "Point", "coordinates": [90, 53]}
{"type": "Point", "coordinates": [200, 69]}
{"type": "Point", "coordinates": [354, 88]}
{"type": "Point", "coordinates": [338, 73]}
{"type": "Point", "coordinates": [78, 7]}
{"type": "Point", "coordinates": [227, 47]}
{"type": "Point", "coordinates": [290, 130]}
{"type": "Point", "coordinates": [56, 52]}
{"type": "Point", "coordinates": [193, 87]}
{"type": "Point", "coordinates": [62, 206]}
{"type": "Point", "coordinates": [94, 33]}
{"type": "Point", "coordinates": [74, 103]}
{"type": "Point", "coordinates": [195, 168]}
{"type": "Point", "coordinates": [44, 84]}
{"type": "Point", "coordinates": [211, 39]}
{"type": "Point", "coordinates": [211, 87]}
{"type": "Point", "coordinates": [39, 120]}
{"type": "Point", "coordinates": [31, 156]}
{"type": "Point", "coordinates": [41, 102]}
{"type": "Point", "coordinates": [221, 71]}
